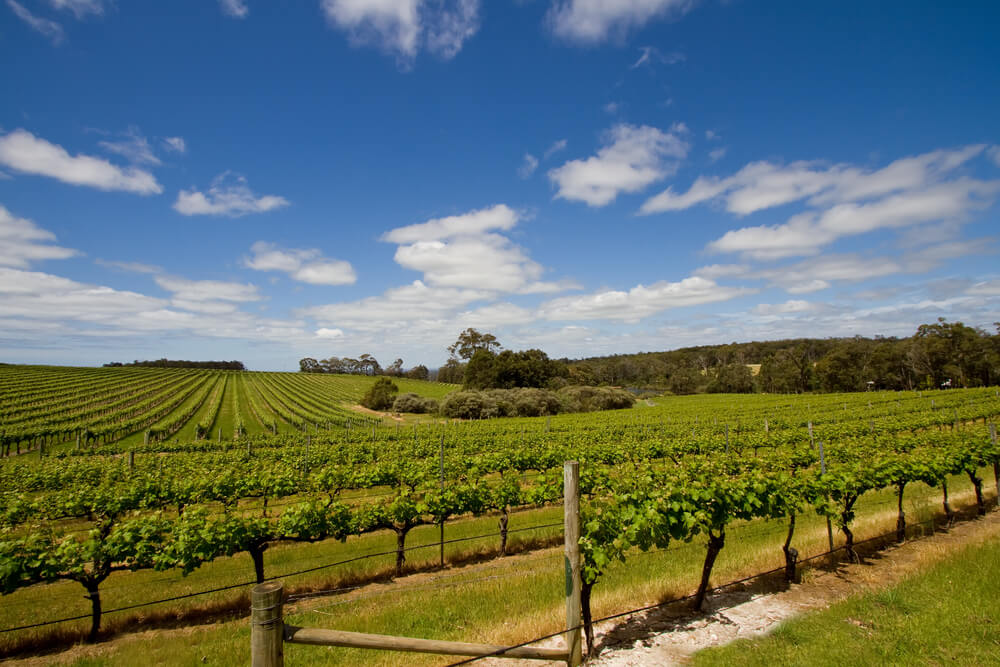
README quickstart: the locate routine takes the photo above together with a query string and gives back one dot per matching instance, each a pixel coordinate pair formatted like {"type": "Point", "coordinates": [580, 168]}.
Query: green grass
{"type": "Point", "coordinates": [944, 615]}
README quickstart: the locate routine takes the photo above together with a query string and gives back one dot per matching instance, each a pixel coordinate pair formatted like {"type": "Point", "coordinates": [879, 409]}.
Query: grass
{"type": "Point", "coordinates": [946, 614]}
{"type": "Point", "coordinates": [504, 601]}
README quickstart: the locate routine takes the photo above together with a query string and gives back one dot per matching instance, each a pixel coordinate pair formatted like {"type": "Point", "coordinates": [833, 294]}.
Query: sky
{"type": "Point", "coordinates": [267, 181]}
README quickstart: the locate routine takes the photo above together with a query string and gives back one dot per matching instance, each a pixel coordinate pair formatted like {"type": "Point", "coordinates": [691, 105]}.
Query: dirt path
{"type": "Point", "coordinates": [669, 636]}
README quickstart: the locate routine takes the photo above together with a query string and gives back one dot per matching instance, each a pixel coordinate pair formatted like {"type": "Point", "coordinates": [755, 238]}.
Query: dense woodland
{"type": "Point", "coordinates": [943, 354]}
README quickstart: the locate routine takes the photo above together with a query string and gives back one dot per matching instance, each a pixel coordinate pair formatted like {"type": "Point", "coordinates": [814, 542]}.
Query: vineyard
{"type": "Point", "coordinates": [159, 492]}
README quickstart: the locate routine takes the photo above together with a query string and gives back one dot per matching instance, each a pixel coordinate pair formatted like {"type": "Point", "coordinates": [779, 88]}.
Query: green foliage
{"type": "Point", "coordinates": [381, 394]}
{"type": "Point", "coordinates": [410, 402]}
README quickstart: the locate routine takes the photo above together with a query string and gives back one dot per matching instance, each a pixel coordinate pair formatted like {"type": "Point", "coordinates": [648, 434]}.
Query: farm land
{"type": "Point", "coordinates": [164, 495]}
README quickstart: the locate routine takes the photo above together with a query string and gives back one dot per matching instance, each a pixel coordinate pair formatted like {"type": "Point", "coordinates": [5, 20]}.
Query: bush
{"type": "Point", "coordinates": [469, 405]}
{"type": "Point", "coordinates": [589, 399]}
{"type": "Point", "coordinates": [411, 402]}
{"type": "Point", "coordinates": [380, 395]}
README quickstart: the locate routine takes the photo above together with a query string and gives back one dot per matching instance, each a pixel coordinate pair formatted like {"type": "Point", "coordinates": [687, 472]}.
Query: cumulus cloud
{"type": "Point", "coordinates": [640, 301]}
{"type": "Point", "coordinates": [499, 217]}
{"type": "Point", "coordinates": [50, 29]}
{"type": "Point", "coordinates": [236, 8]}
{"type": "Point", "coordinates": [305, 265]}
{"type": "Point", "coordinates": [403, 27]}
{"type": "Point", "coordinates": [631, 159]}
{"type": "Point", "coordinates": [466, 251]}
{"type": "Point", "coordinates": [23, 242]}
{"type": "Point", "coordinates": [717, 154]}
{"type": "Point", "coordinates": [24, 152]}
{"type": "Point", "coordinates": [594, 21]}
{"type": "Point", "coordinates": [228, 195]}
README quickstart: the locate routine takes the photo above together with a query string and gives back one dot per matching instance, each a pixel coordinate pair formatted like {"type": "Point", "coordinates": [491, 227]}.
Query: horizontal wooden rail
{"type": "Point", "coordinates": [322, 637]}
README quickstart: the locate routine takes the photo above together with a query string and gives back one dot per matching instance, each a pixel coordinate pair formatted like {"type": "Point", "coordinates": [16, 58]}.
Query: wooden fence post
{"type": "Point", "coordinates": [267, 628]}
{"type": "Point", "coordinates": [822, 468]}
{"type": "Point", "coordinates": [996, 466]}
{"type": "Point", "coordinates": [571, 532]}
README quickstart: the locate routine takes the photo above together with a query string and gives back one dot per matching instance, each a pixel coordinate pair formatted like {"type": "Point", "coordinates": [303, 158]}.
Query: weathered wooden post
{"type": "Point", "coordinates": [822, 471]}
{"type": "Point", "coordinates": [267, 628]}
{"type": "Point", "coordinates": [996, 465]}
{"type": "Point", "coordinates": [131, 460]}
{"type": "Point", "coordinates": [441, 523]}
{"type": "Point", "coordinates": [571, 532]}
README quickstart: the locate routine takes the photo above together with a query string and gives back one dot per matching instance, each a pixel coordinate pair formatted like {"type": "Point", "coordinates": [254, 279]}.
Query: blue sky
{"type": "Point", "coordinates": [265, 181]}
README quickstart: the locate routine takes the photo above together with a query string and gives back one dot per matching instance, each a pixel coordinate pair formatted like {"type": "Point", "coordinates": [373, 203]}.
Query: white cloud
{"type": "Point", "coordinates": [650, 55]}
{"type": "Point", "coordinates": [305, 265]}
{"type": "Point", "coordinates": [80, 8]}
{"type": "Point", "coordinates": [235, 8]}
{"type": "Point", "coordinates": [806, 233]}
{"type": "Point", "coordinates": [487, 261]}
{"type": "Point", "coordinates": [23, 242]}
{"type": "Point", "coordinates": [713, 271]}
{"type": "Point", "coordinates": [208, 290]}
{"type": "Point", "coordinates": [45, 27]}
{"type": "Point", "coordinates": [556, 146]}
{"type": "Point", "coordinates": [131, 267]}
{"type": "Point", "coordinates": [44, 296]}
{"type": "Point", "coordinates": [400, 308]}
{"type": "Point", "coordinates": [717, 154]}
{"type": "Point", "coordinates": [175, 144]}
{"type": "Point", "coordinates": [403, 27]}
{"type": "Point", "coordinates": [329, 334]}
{"type": "Point", "coordinates": [631, 159]}
{"type": "Point", "coordinates": [133, 147]}
{"type": "Point", "coordinates": [761, 185]}
{"type": "Point", "coordinates": [473, 223]}
{"type": "Point", "coordinates": [612, 108]}
{"type": "Point", "coordinates": [22, 151]}
{"type": "Point", "coordinates": [528, 167]}
{"type": "Point", "coordinates": [985, 288]}
{"type": "Point", "coordinates": [64, 310]}
{"type": "Point", "coordinates": [592, 21]}
{"type": "Point", "coordinates": [640, 301]}
{"type": "Point", "coordinates": [994, 153]}
{"type": "Point", "coordinates": [465, 251]}
{"type": "Point", "coordinates": [228, 195]}
{"type": "Point", "coordinates": [793, 306]}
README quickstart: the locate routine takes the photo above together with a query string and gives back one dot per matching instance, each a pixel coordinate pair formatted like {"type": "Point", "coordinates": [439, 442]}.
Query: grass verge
{"type": "Point", "coordinates": [942, 615]}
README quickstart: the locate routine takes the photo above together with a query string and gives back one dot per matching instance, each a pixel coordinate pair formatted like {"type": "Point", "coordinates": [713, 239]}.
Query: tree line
{"type": "Point", "coordinates": [939, 355]}
{"type": "Point", "coordinates": [181, 363]}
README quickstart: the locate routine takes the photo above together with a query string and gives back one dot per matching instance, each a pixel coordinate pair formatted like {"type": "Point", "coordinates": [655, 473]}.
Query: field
{"type": "Point", "coordinates": [163, 524]}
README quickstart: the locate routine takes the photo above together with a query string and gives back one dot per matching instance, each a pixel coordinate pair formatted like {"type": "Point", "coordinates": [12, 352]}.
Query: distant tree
{"type": "Point", "coordinates": [418, 373]}
{"type": "Point", "coordinates": [732, 378]}
{"type": "Point", "coordinates": [368, 365]}
{"type": "Point", "coordinates": [380, 395]}
{"type": "Point", "coordinates": [453, 372]}
{"type": "Point", "coordinates": [471, 340]}
{"type": "Point", "coordinates": [309, 365]}
{"type": "Point", "coordinates": [395, 369]}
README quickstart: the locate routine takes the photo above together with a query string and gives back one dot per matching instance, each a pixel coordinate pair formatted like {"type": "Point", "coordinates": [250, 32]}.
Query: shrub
{"type": "Point", "coordinates": [411, 402]}
{"type": "Point", "coordinates": [380, 395]}
{"type": "Point", "coordinates": [469, 405]}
